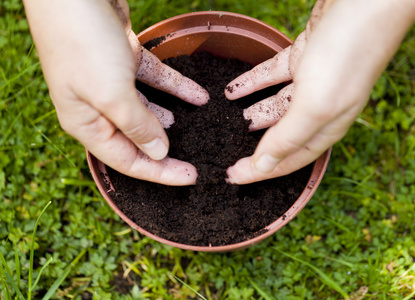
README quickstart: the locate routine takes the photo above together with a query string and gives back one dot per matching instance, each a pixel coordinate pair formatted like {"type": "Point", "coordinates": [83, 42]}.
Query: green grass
{"type": "Point", "coordinates": [356, 237]}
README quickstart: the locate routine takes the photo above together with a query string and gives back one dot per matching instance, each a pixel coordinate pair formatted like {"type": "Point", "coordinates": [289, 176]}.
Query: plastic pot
{"type": "Point", "coordinates": [227, 35]}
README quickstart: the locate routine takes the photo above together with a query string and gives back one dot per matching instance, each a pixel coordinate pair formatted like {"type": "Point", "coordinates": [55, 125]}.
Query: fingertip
{"type": "Point", "coordinates": [155, 149]}
{"type": "Point", "coordinates": [241, 86]}
{"type": "Point", "coordinates": [229, 92]}
{"type": "Point", "coordinates": [202, 97]}
{"type": "Point", "coordinates": [192, 92]}
{"type": "Point", "coordinates": [165, 116]}
{"type": "Point", "coordinates": [190, 176]}
{"type": "Point", "coordinates": [240, 172]}
{"type": "Point", "coordinates": [179, 173]}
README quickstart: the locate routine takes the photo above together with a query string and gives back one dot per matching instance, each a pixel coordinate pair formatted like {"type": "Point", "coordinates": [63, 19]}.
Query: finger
{"type": "Point", "coordinates": [135, 47]}
{"type": "Point", "coordinates": [123, 107]}
{"type": "Point", "coordinates": [160, 76]}
{"type": "Point", "coordinates": [296, 51]}
{"type": "Point", "coordinates": [314, 129]}
{"type": "Point", "coordinates": [288, 136]}
{"type": "Point", "coordinates": [246, 170]}
{"type": "Point", "coordinates": [165, 116]}
{"type": "Point", "coordinates": [319, 8]}
{"type": "Point", "coordinates": [273, 71]}
{"type": "Point", "coordinates": [99, 135]}
{"type": "Point", "coordinates": [121, 155]}
{"type": "Point", "coordinates": [269, 111]}
{"type": "Point", "coordinates": [123, 12]}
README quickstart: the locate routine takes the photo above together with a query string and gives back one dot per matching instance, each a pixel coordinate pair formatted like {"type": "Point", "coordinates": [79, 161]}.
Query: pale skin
{"type": "Point", "coordinates": [345, 52]}
{"type": "Point", "coordinates": [92, 84]}
{"type": "Point", "coordinates": [90, 58]}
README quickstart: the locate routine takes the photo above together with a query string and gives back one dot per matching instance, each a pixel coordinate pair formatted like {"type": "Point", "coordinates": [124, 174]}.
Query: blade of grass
{"type": "Point", "coordinates": [59, 281]}
{"type": "Point", "coordinates": [122, 232]}
{"type": "Point", "coordinates": [16, 289]}
{"type": "Point", "coordinates": [340, 261]}
{"type": "Point", "coordinates": [189, 287]}
{"type": "Point", "coordinates": [78, 182]}
{"type": "Point", "coordinates": [364, 123]}
{"type": "Point", "coordinates": [395, 88]}
{"type": "Point", "coordinates": [4, 263]}
{"type": "Point", "coordinates": [357, 183]}
{"type": "Point", "coordinates": [17, 262]}
{"type": "Point", "coordinates": [4, 273]}
{"type": "Point", "coordinates": [9, 130]}
{"type": "Point", "coordinates": [397, 140]}
{"type": "Point", "coordinates": [44, 116]}
{"type": "Point", "coordinates": [29, 53]}
{"type": "Point", "coordinates": [20, 92]}
{"type": "Point", "coordinates": [40, 273]}
{"type": "Point", "coordinates": [323, 277]}
{"type": "Point", "coordinates": [132, 267]}
{"type": "Point", "coordinates": [52, 143]}
{"type": "Point", "coordinates": [4, 283]}
{"type": "Point", "coordinates": [342, 227]}
{"type": "Point", "coordinates": [409, 296]}
{"type": "Point", "coordinates": [261, 291]}
{"type": "Point", "coordinates": [32, 250]}
{"type": "Point", "coordinates": [345, 151]}
{"type": "Point", "coordinates": [8, 81]}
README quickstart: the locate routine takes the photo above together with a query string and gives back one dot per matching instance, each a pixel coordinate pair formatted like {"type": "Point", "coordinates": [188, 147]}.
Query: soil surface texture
{"type": "Point", "coordinates": [212, 138]}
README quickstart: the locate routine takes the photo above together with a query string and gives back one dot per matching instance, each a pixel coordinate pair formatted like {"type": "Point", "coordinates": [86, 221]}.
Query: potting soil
{"type": "Point", "coordinates": [212, 138]}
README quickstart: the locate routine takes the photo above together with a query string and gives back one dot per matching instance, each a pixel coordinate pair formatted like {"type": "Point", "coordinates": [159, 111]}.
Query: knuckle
{"type": "Point", "coordinates": [322, 114]}
{"type": "Point", "coordinates": [321, 110]}
{"type": "Point", "coordinates": [106, 95]}
{"type": "Point", "coordinates": [287, 146]}
{"type": "Point", "coordinates": [104, 99]}
{"type": "Point", "coordinates": [137, 132]}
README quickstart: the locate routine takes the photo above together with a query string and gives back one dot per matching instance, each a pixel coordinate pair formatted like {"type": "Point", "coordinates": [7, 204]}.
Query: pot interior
{"type": "Point", "coordinates": [224, 35]}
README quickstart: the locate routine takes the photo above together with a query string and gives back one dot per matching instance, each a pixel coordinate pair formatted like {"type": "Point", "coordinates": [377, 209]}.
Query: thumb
{"type": "Point", "coordinates": [128, 113]}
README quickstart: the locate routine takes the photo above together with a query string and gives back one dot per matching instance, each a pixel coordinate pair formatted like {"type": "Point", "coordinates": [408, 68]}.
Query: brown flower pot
{"type": "Point", "coordinates": [226, 35]}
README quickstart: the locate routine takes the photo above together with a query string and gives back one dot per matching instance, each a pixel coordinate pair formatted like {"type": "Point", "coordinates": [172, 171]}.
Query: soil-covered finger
{"type": "Point", "coordinates": [271, 72]}
{"type": "Point", "coordinates": [165, 116]}
{"type": "Point", "coordinates": [135, 121]}
{"type": "Point", "coordinates": [160, 76]}
{"type": "Point", "coordinates": [168, 171]}
{"type": "Point", "coordinates": [269, 111]}
{"type": "Point", "coordinates": [245, 172]}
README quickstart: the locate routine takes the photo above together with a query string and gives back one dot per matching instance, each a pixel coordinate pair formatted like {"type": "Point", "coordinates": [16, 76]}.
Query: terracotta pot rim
{"type": "Point", "coordinates": [98, 169]}
{"type": "Point", "coordinates": [213, 26]}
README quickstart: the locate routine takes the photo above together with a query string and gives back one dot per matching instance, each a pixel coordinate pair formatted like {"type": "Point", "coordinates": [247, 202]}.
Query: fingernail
{"type": "Point", "coordinates": [266, 163]}
{"type": "Point", "coordinates": [156, 149]}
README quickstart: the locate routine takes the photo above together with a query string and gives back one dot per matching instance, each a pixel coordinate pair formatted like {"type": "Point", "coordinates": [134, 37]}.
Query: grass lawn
{"type": "Point", "coordinates": [355, 238]}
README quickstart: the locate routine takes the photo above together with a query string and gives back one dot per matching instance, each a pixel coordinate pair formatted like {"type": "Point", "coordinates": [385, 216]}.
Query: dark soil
{"type": "Point", "coordinates": [211, 137]}
{"type": "Point", "coordinates": [155, 42]}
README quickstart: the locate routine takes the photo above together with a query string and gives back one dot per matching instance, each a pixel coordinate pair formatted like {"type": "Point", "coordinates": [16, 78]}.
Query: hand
{"type": "Point", "coordinates": [90, 59]}
{"type": "Point", "coordinates": [345, 52]}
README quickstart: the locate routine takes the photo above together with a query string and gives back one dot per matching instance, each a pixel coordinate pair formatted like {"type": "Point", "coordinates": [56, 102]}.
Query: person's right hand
{"type": "Point", "coordinates": [90, 69]}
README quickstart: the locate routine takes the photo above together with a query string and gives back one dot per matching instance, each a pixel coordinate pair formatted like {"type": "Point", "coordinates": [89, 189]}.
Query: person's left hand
{"type": "Point", "coordinates": [340, 62]}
